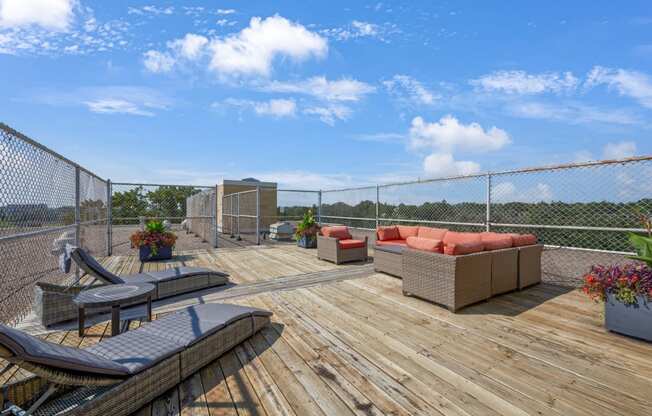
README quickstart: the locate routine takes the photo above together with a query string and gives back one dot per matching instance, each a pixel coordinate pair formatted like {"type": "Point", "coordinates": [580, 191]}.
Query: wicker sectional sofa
{"type": "Point", "coordinates": [458, 273]}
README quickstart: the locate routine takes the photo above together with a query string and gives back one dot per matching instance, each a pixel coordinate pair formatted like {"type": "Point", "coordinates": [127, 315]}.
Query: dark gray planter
{"type": "Point", "coordinates": [633, 320]}
{"type": "Point", "coordinates": [307, 241]}
{"type": "Point", "coordinates": [164, 253]}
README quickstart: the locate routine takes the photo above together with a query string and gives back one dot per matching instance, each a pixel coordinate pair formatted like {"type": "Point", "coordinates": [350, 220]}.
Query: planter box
{"type": "Point", "coordinates": [164, 253]}
{"type": "Point", "coordinates": [307, 242]}
{"type": "Point", "coordinates": [634, 320]}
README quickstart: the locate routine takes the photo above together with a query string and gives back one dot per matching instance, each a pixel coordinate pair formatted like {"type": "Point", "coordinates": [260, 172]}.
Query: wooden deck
{"type": "Point", "coordinates": [344, 341]}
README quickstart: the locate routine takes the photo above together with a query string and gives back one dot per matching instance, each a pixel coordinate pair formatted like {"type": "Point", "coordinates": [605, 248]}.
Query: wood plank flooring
{"type": "Point", "coordinates": [359, 347]}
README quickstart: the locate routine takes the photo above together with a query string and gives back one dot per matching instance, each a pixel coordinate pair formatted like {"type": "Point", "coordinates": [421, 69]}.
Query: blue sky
{"type": "Point", "coordinates": [326, 94]}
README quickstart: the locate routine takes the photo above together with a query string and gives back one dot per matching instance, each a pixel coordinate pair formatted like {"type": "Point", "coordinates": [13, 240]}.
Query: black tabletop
{"type": "Point", "coordinates": [112, 295]}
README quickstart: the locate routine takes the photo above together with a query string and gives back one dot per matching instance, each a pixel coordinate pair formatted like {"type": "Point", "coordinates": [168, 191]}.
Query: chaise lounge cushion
{"type": "Point", "coordinates": [349, 243]}
{"type": "Point", "coordinates": [392, 243]}
{"type": "Point", "coordinates": [339, 232]}
{"type": "Point", "coordinates": [406, 231]}
{"type": "Point", "coordinates": [388, 233]}
{"type": "Point", "coordinates": [425, 244]}
{"type": "Point", "coordinates": [181, 272]}
{"type": "Point", "coordinates": [190, 325]}
{"type": "Point", "coordinates": [34, 350]}
{"type": "Point", "coordinates": [432, 233]}
{"type": "Point", "coordinates": [136, 350]}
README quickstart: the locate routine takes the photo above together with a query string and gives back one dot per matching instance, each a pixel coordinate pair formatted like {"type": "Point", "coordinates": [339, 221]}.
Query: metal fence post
{"type": "Point", "coordinates": [77, 213]}
{"type": "Point", "coordinates": [109, 218]}
{"type": "Point", "coordinates": [377, 205]}
{"type": "Point", "coordinates": [215, 230]}
{"type": "Point", "coordinates": [237, 213]}
{"type": "Point", "coordinates": [319, 207]}
{"type": "Point", "coordinates": [258, 214]}
{"type": "Point", "coordinates": [488, 216]}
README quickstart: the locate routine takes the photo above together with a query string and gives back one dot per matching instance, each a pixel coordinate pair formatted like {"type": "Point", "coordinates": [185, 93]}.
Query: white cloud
{"type": "Point", "coordinates": [409, 90]}
{"type": "Point", "coordinates": [275, 107]}
{"type": "Point", "coordinates": [116, 106]}
{"type": "Point", "coordinates": [573, 113]}
{"type": "Point", "coordinates": [344, 89]}
{"type": "Point", "coordinates": [508, 192]}
{"type": "Point", "coordinates": [633, 84]}
{"type": "Point", "coordinates": [225, 11]}
{"type": "Point", "coordinates": [448, 135]}
{"type": "Point", "coordinates": [253, 50]}
{"type": "Point", "coordinates": [382, 137]}
{"type": "Point", "coordinates": [49, 14]}
{"type": "Point", "coordinates": [157, 62]}
{"type": "Point", "coordinates": [520, 82]}
{"type": "Point", "coordinates": [151, 10]}
{"type": "Point", "coordinates": [440, 165]}
{"type": "Point", "coordinates": [360, 29]}
{"type": "Point", "coordinates": [190, 46]}
{"type": "Point", "coordinates": [620, 150]}
{"type": "Point", "coordinates": [330, 114]}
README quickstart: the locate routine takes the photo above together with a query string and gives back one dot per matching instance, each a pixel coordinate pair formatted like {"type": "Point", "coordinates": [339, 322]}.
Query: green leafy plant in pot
{"type": "Point", "coordinates": [155, 242]}
{"type": "Point", "coordinates": [307, 230]}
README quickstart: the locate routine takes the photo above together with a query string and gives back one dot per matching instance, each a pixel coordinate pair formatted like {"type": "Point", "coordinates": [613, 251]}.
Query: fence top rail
{"type": "Point", "coordinates": [46, 149]}
{"type": "Point", "coordinates": [161, 184]}
{"type": "Point", "coordinates": [298, 190]}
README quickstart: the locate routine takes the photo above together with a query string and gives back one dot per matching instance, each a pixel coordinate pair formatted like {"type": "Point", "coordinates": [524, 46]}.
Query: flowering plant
{"type": "Point", "coordinates": [625, 283]}
{"type": "Point", "coordinates": [155, 235]}
{"type": "Point", "coordinates": [308, 226]}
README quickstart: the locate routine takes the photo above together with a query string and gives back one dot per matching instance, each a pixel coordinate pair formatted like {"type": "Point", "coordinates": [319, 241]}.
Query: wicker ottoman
{"type": "Point", "coordinates": [387, 259]}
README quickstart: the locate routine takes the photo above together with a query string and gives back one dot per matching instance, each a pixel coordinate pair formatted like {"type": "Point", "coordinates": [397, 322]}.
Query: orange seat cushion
{"type": "Point", "coordinates": [339, 232]}
{"type": "Point", "coordinates": [346, 244]}
{"type": "Point", "coordinates": [454, 237]}
{"type": "Point", "coordinates": [392, 243]}
{"type": "Point", "coordinates": [425, 244]}
{"type": "Point", "coordinates": [457, 249]}
{"type": "Point", "coordinates": [406, 231]}
{"type": "Point", "coordinates": [520, 240]}
{"type": "Point", "coordinates": [433, 233]}
{"type": "Point", "coordinates": [387, 233]}
{"type": "Point", "coordinates": [496, 241]}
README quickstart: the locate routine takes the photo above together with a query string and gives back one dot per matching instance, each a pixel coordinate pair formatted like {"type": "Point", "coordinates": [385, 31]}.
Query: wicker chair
{"type": "Point", "coordinates": [451, 281]}
{"type": "Point", "coordinates": [329, 248]}
{"type": "Point", "coordinates": [120, 375]}
{"type": "Point", "coordinates": [54, 302]}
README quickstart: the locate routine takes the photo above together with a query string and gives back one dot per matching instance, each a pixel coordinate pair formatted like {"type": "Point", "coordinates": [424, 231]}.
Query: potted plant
{"type": "Point", "coordinates": [155, 242]}
{"type": "Point", "coordinates": [626, 290]}
{"type": "Point", "coordinates": [307, 230]}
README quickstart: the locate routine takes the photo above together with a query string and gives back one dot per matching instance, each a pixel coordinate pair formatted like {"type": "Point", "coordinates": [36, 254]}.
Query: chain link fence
{"type": "Point", "coordinates": [46, 201]}
{"type": "Point", "coordinates": [241, 215]}
{"type": "Point", "coordinates": [201, 216]}
{"type": "Point", "coordinates": [133, 204]}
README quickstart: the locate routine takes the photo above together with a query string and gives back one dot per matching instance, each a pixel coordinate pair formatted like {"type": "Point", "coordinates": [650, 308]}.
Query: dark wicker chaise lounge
{"type": "Point", "coordinates": [53, 303]}
{"type": "Point", "coordinates": [118, 376]}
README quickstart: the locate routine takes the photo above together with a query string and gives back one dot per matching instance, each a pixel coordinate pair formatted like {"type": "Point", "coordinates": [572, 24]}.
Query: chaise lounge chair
{"type": "Point", "coordinates": [53, 303]}
{"type": "Point", "coordinates": [121, 374]}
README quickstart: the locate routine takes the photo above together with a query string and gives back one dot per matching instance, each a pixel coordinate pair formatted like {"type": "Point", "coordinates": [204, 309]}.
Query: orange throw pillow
{"type": "Point", "coordinates": [433, 233]}
{"type": "Point", "coordinates": [425, 244]}
{"type": "Point", "coordinates": [388, 233]}
{"type": "Point", "coordinates": [520, 240]}
{"type": "Point", "coordinates": [339, 232]}
{"type": "Point", "coordinates": [457, 249]}
{"type": "Point", "coordinates": [454, 237]}
{"type": "Point", "coordinates": [406, 231]}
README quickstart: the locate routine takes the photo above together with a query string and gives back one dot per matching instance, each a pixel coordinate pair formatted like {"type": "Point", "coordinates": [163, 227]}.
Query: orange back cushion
{"type": "Point", "coordinates": [457, 249]}
{"type": "Point", "coordinates": [388, 233]}
{"type": "Point", "coordinates": [425, 244]}
{"type": "Point", "coordinates": [495, 241]}
{"type": "Point", "coordinates": [523, 239]}
{"type": "Point", "coordinates": [406, 231]}
{"type": "Point", "coordinates": [453, 237]}
{"type": "Point", "coordinates": [339, 232]}
{"type": "Point", "coordinates": [434, 233]}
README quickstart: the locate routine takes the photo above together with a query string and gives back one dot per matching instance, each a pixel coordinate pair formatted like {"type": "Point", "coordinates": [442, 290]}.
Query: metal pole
{"type": "Point", "coordinates": [377, 205]}
{"type": "Point", "coordinates": [231, 212]}
{"type": "Point", "coordinates": [488, 216]}
{"type": "Point", "coordinates": [215, 230]}
{"type": "Point", "coordinates": [257, 214]}
{"type": "Point", "coordinates": [77, 213]}
{"type": "Point", "coordinates": [237, 213]}
{"type": "Point", "coordinates": [319, 208]}
{"type": "Point", "coordinates": [109, 217]}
